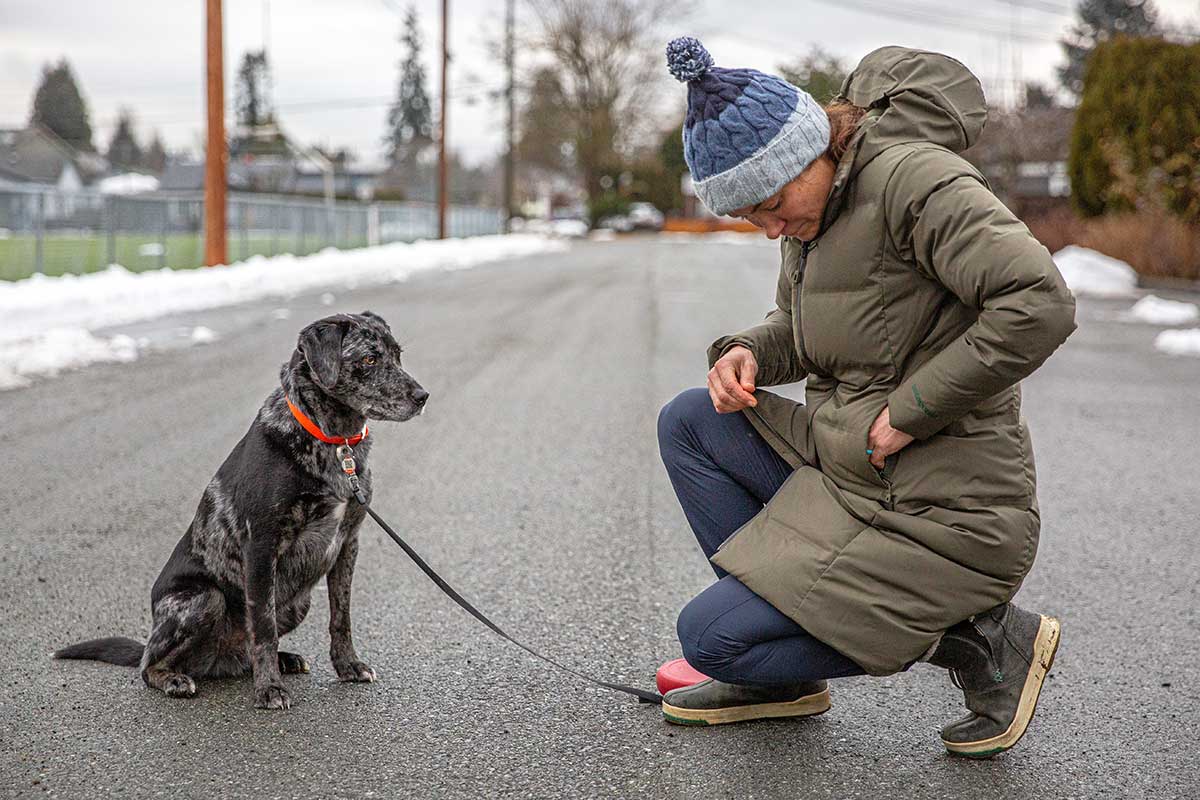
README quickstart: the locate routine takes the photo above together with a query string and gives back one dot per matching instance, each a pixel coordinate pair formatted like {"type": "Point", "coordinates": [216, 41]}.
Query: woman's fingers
{"type": "Point", "coordinates": [728, 389]}
{"type": "Point", "coordinates": [724, 399]}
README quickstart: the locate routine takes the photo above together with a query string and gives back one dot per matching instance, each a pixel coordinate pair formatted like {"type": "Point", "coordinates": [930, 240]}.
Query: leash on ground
{"type": "Point", "coordinates": [641, 694]}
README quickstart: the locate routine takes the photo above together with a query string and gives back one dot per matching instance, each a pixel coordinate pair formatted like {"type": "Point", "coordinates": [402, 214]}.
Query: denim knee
{"type": "Point", "coordinates": [701, 648]}
{"type": "Point", "coordinates": [678, 415]}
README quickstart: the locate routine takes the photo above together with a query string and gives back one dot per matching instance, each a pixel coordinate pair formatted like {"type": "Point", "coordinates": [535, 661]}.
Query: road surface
{"type": "Point", "coordinates": [533, 482]}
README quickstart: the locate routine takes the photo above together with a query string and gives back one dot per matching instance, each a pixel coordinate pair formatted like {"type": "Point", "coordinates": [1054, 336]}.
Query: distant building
{"type": "Point", "coordinates": [1023, 154]}
{"type": "Point", "coordinates": [36, 157]}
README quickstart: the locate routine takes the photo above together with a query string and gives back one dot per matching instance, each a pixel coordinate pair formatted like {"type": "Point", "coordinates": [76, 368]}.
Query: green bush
{"type": "Point", "coordinates": [1136, 140]}
{"type": "Point", "coordinates": [607, 205]}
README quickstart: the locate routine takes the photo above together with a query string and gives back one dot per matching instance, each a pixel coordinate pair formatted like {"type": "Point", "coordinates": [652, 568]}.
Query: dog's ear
{"type": "Point", "coordinates": [321, 344]}
{"type": "Point", "coordinates": [377, 318]}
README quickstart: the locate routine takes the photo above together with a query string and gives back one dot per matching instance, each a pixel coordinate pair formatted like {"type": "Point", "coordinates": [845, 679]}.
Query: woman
{"type": "Point", "coordinates": [892, 516]}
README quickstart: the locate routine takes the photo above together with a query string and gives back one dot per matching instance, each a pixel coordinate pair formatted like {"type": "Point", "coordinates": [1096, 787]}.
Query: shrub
{"type": "Point", "coordinates": [1136, 141]}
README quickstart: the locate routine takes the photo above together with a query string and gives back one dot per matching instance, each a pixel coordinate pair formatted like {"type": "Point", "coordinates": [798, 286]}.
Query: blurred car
{"type": "Point", "coordinates": [621, 223]}
{"type": "Point", "coordinates": [644, 216]}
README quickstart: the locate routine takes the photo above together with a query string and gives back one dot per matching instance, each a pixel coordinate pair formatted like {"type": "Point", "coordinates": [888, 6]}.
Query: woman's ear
{"type": "Point", "coordinates": [321, 344]}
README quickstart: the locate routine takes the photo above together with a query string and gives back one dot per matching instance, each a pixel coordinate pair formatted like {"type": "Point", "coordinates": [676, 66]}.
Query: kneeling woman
{"type": "Point", "coordinates": [891, 517]}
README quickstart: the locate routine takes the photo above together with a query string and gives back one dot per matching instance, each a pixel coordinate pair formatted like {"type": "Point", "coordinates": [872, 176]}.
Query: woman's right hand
{"type": "Point", "coordinates": [731, 380]}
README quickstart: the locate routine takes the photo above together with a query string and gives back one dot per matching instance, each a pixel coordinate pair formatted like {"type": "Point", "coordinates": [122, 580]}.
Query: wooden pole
{"type": "Point", "coordinates": [442, 122]}
{"type": "Point", "coordinates": [215, 155]}
{"type": "Point", "coordinates": [510, 65]}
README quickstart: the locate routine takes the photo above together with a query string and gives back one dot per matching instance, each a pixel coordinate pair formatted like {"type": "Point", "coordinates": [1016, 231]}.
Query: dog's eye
{"type": "Point", "coordinates": [369, 360]}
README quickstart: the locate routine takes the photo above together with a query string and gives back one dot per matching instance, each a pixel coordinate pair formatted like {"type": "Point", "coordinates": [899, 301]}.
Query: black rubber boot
{"type": "Point", "coordinates": [999, 659]}
{"type": "Point", "coordinates": [712, 702]}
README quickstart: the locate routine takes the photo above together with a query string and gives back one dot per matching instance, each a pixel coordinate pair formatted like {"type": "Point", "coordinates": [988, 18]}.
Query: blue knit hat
{"type": "Point", "coordinates": [746, 133]}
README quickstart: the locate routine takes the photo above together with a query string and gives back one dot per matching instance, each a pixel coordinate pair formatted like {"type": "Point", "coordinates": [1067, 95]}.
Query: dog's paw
{"type": "Point", "coordinates": [292, 663]}
{"type": "Point", "coordinates": [354, 672]}
{"type": "Point", "coordinates": [179, 685]}
{"type": "Point", "coordinates": [272, 696]}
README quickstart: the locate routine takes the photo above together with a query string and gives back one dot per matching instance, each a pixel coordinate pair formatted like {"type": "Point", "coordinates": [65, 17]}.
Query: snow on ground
{"type": "Point", "coordinates": [1184, 342]}
{"type": "Point", "coordinates": [1157, 311]}
{"type": "Point", "coordinates": [1095, 274]}
{"type": "Point", "coordinates": [128, 183]}
{"type": "Point", "coordinates": [56, 350]}
{"type": "Point", "coordinates": [47, 324]}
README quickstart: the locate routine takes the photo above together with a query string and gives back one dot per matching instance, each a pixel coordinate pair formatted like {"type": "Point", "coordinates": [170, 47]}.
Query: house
{"type": "Point", "coordinates": [1023, 154]}
{"type": "Point", "coordinates": [34, 157]}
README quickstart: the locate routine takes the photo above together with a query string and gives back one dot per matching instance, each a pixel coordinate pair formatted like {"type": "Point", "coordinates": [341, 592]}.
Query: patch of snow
{"type": "Point", "coordinates": [602, 235]}
{"type": "Point", "coordinates": [1095, 274]}
{"type": "Point", "coordinates": [151, 249]}
{"type": "Point", "coordinates": [49, 352]}
{"type": "Point", "coordinates": [281, 313]}
{"type": "Point", "coordinates": [327, 299]}
{"type": "Point", "coordinates": [46, 322]}
{"type": "Point", "coordinates": [203, 335]}
{"type": "Point", "coordinates": [1185, 342]}
{"type": "Point", "coordinates": [127, 183]}
{"type": "Point", "coordinates": [1157, 311]}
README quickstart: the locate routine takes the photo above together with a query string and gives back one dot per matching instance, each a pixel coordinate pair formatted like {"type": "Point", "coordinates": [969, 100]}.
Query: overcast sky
{"type": "Point", "coordinates": [335, 63]}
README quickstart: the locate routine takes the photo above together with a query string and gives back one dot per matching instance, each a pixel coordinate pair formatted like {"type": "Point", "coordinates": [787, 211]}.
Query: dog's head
{"type": "Point", "coordinates": [353, 358]}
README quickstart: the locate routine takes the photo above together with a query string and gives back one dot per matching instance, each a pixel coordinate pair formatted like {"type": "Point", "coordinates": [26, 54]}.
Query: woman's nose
{"type": "Point", "coordinates": [773, 228]}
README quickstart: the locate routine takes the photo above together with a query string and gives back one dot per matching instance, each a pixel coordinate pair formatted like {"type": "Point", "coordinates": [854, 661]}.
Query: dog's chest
{"type": "Point", "coordinates": [313, 549]}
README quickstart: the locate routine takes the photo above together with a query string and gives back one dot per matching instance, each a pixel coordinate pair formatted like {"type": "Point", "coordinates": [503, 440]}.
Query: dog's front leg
{"type": "Point", "coordinates": [341, 644]}
{"type": "Point", "coordinates": [262, 631]}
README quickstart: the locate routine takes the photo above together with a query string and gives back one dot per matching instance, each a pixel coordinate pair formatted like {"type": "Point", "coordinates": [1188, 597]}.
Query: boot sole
{"type": "Point", "coordinates": [808, 706]}
{"type": "Point", "coordinates": [1044, 649]}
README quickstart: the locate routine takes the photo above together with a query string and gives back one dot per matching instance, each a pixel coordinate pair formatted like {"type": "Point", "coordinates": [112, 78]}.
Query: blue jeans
{"type": "Point", "coordinates": [723, 473]}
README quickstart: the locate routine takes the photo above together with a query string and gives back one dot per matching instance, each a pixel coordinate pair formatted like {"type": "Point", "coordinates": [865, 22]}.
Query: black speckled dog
{"type": "Point", "coordinates": [277, 517]}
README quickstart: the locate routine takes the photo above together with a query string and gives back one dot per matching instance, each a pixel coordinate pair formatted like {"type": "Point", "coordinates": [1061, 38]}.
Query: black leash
{"type": "Point", "coordinates": [641, 694]}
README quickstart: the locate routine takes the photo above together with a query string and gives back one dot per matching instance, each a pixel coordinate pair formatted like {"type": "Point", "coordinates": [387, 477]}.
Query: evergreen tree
{"type": "Point", "coordinates": [1100, 20]}
{"type": "Point", "coordinates": [252, 94]}
{"type": "Point", "coordinates": [59, 106]}
{"type": "Point", "coordinates": [1134, 143]}
{"type": "Point", "coordinates": [123, 149]}
{"type": "Point", "coordinates": [154, 159]}
{"type": "Point", "coordinates": [410, 119]}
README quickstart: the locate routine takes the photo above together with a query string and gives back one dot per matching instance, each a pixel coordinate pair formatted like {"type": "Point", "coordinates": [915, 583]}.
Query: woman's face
{"type": "Point", "coordinates": [795, 210]}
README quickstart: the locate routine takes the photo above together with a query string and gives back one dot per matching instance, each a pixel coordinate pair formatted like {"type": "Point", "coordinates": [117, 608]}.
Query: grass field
{"type": "Point", "coordinates": [68, 253]}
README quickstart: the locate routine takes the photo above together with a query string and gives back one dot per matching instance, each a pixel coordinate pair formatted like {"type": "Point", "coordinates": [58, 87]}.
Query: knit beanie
{"type": "Point", "coordinates": [746, 133]}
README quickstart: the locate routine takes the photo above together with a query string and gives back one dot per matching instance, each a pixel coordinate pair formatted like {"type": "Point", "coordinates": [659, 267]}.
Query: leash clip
{"type": "Point", "coordinates": [346, 454]}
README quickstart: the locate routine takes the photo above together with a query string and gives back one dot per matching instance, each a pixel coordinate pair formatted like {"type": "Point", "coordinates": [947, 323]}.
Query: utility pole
{"type": "Point", "coordinates": [510, 64]}
{"type": "Point", "coordinates": [442, 122]}
{"type": "Point", "coordinates": [215, 154]}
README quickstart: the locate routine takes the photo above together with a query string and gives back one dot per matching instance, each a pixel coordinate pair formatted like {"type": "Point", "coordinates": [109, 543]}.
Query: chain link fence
{"type": "Point", "coordinates": [55, 233]}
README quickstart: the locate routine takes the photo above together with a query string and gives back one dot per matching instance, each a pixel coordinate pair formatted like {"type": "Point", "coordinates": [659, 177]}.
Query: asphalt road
{"type": "Point", "coordinates": [533, 482]}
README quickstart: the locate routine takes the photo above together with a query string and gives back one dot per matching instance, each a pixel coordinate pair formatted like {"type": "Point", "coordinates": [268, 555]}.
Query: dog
{"type": "Point", "coordinates": [279, 515]}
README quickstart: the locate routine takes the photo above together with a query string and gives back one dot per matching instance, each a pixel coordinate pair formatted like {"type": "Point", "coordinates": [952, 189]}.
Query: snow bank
{"type": "Point", "coordinates": [46, 323]}
{"type": "Point", "coordinates": [1179, 343]}
{"type": "Point", "coordinates": [1090, 273]}
{"type": "Point", "coordinates": [128, 183]}
{"type": "Point", "coordinates": [46, 354]}
{"type": "Point", "coordinates": [1157, 311]}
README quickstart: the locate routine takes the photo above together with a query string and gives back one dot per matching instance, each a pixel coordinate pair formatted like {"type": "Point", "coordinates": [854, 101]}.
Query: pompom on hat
{"type": "Point", "coordinates": [747, 133]}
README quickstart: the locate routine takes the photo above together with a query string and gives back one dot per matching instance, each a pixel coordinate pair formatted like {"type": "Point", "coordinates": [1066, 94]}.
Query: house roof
{"type": "Point", "coordinates": [38, 155]}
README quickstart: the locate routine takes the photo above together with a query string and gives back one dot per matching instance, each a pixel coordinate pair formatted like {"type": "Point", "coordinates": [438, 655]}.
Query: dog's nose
{"type": "Point", "coordinates": [420, 396]}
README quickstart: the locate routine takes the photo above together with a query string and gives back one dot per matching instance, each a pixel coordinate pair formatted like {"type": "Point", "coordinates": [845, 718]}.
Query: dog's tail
{"type": "Point", "coordinates": [112, 650]}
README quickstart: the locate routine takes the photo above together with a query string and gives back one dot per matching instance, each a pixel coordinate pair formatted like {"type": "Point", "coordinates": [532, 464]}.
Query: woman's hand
{"type": "Point", "coordinates": [883, 440]}
{"type": "Point", "coordinates": [731, 380]}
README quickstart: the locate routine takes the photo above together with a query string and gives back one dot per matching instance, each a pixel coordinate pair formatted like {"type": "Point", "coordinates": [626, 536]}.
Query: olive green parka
{"type": "Point", "coordinates": [922, 293]}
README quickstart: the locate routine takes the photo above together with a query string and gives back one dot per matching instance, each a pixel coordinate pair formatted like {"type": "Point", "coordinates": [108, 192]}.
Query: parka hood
{"type": "Point", "coordinates": [911, 96]}
{"type": "Point", "coordinates": [924, 97]}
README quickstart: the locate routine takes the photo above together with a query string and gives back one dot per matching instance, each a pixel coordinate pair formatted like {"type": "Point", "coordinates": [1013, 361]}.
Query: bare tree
{"type": "Point", "coordinates": [610, 63]}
